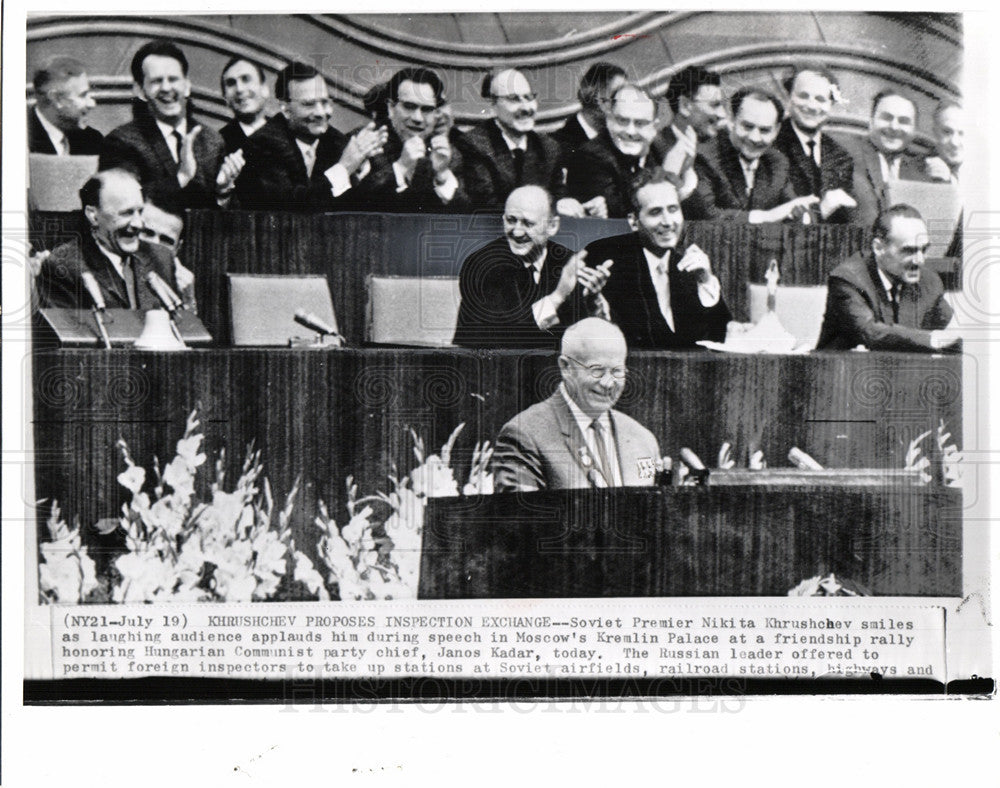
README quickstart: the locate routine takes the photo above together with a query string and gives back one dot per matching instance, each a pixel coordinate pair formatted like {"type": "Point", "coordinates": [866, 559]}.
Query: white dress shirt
{"type": "Point", "coordinates": [585, 423]}
{"type": "Point", "coordinates": [589, 130]}
{"type": "Point", "coordinates": [804, 140]}
{"type": "Point", "coordinates": [59, 140]}
{"type": "Point", "coordinates": [168, 134]}
{"type": "Point", "coordinates": [749, 172]}
{"type": "Point", "coordinates": [890, 172]}
{"type": "Point", "coordinates": [445, 190]}
{"type": "Point", "coordinates": [659, 271]}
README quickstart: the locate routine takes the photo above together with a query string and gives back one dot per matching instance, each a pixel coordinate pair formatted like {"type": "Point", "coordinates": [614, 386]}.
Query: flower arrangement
{"type": "Point", "coordinates": [237, 547]}
{"type": "Point", "coordinates": [950, 457]}
{"type": "Point", "coordinates": [828, 586]}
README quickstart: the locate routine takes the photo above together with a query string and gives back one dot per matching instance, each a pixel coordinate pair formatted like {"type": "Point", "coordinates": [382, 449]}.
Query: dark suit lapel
{"type": "Point", "coordinates": [503, 158]}
{"type": "Point", "coordinates": [873, 169]}
{"type": "Point", "coordinates": [883, 306]}
{"type": "Point", "coordinates": [104, 272]}
{"type": "Point", "coordinates": [156, 143]}
{"type": "Point", "coordinates": [729, 161]}
{"type": "Point", "coordinates": [39, 140]}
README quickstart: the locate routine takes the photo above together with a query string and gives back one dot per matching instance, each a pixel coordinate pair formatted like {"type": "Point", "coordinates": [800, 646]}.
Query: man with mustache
{"type": "Point", "coordinates": [297, 161]}
{"type": "Point", "coordinates": [523, 290]}
{"type": "Point", "coordinates": [245, 92]}
{"type": "Point", "coordinates": [62, 101]}
{"type": "Point", "coordinates": [574, 439]}
{"type": "Point", "coordinates": [173, 158]}
{"type": "Point", "coordinates": [110, 248]}
{"type": "Point", "coordinates": [417, 169]}
{"type": "Point", "coordinates": [598, 178]}
{"type": "Point", "coordinates": [507, 152]}
{"type": "Point", "coordinates": [818, 164]}
{"type": "Point", "coordinates": [884, 156]}
{"type": "Point", "coordinates": [889, 300]}
{"type": "Point", "coordinates": [741, 177]}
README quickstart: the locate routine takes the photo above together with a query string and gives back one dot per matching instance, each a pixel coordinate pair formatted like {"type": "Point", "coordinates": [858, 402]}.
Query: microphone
{"type": "Point", "coordinates": [94, 291]}
{"type": "Point", "coordinates": [163, 292]}
{"type": "Point", "coordinates": [313, 323]}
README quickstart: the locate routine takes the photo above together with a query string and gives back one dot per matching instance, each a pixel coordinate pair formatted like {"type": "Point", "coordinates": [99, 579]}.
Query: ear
{"type": "Point", "coordinates": [137, 92]}
{"type": "Point", "coordinates": [683, 106]}
{"type": "Point", "coordinates": [90, 211]}
{"type": "Point", "coordinates": [878, 247]}
{"type": "Point", "coordinates": [563, 364]}
{"type": "Point", "coordinates": [633, 221]}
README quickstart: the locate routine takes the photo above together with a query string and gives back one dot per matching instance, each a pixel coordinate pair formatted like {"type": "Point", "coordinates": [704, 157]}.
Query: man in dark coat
{"type": "Point", "coordinates": [598, 84]}
{"type": "Point", "coordinates": [246, 93]}
{"type": "Point", "coordinates": [62, 101]}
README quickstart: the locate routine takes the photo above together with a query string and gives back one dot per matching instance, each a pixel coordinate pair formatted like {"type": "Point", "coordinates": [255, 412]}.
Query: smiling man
{"type": "Point", "coordinates": [741, 176]}
{"type": "Point", "coordinates": [662, 294]}
{"type": "Point", "coordinates": [246, 93]}
{"type": "Point", "coordinates": [506, 153]}
{"type": "Point", "coordinates": [174, 158]}
{"type": "Point", "coordinates": [818, 164]}
{"type": "Point", "coordinates": [523, 290]}
{"type": "Point", "coordinates": [57, 124]}
{"type": "Point", "coordinates": [889, 300]}
{"type": "Point", "coordinates": [110, 248]}
{"type": "Point", "coordinates": [574, 439]}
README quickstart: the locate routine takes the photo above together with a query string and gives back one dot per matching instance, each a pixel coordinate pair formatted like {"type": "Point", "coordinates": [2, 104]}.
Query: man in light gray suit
{"type": "Point", "coordinates": [574, 440]}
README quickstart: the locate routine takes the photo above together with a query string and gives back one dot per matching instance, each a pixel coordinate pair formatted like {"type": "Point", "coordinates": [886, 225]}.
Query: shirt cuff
{"type": "Point", "coordinates": [340, 181]}
{"type": "Point", "coordinates": [400, 172]}
{"type": "Point", "coordinates": [709, 292]}
{"type": "Point", "coordinates": [544, 311]}
{"type": "Point", "coordinates": [446, 191]}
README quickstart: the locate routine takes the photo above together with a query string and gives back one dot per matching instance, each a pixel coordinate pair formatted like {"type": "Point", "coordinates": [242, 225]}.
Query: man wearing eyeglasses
{"type": "Point", "coordinates": [523, 290]}
{"type": "Point", "coordinates": [507, 152]}
{"type": "Point", "coordinates": [417, 169]}
{"type": "Point", "coordinates": [662, 294]}
{"type": "Point", "coordinates": [574, 439]}
{"type": "Point", "coordinates": [598, 176]}
{"type": "Point", "coordinates": [297, 161]}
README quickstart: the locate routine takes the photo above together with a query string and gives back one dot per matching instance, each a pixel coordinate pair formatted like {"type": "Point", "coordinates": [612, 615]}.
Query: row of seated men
{"type": "Point", "coordinates": [754, 158]}
{"type": "Point", "coordinates": [523, 290]}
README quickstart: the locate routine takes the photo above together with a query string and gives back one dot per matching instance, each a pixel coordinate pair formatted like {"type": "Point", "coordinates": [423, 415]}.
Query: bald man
{"type": "Point", "coordinates": [574, 439]}
{"type": "Point", "coordinates": [507, 152]}
{"type": "Point", "coordinates": [523, 290]}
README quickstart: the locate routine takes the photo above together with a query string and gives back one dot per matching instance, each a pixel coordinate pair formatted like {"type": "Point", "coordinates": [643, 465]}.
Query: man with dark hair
{"type": "Point", "coordinates": [171, 156]}
{"type": "Point", "coordinates": [740, 176]}
{"type": "Point", "coordinates": [245, 92]}
{"type": "Point", "coordinates": [817, 164]}
{"type": "Point", "coordinates": [56, 125]}
{"type": "Point", "coordinates": [416, 170]}
{"type": "Point", "coordinates": [598, 178]}
{"type": "Point", "coordinates": [297, 161]}
{"type": "Point", "coordinates": [599, 83]}
{"type": "Point", "coordinates": [109, 248]}
{"type": "Point", "coordinates": [506, 153]}
{"type": "Point", "coordinates": [523, 290]}
{"type": "Point", "coordinates": [949, 143]}
{"type": "Point", "coordinates": [574, 439]}
{"type": "Point", "coordinates": [888, 300]}
{"type": "Point", "coordinates": [662, 294]}
{"type": "Point", "coordinates": [884, 156]}
{"type": "Point", "coordinates": [696, 101]}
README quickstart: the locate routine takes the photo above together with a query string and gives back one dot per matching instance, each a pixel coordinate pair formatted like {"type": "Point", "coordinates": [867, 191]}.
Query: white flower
{"type": "Point", "coordinates": [66, 572]}
{"type": "Point", "coordinates": [355, 529]}
{"type": "Point", "coordinates": [132, 478]}
{"type": "Point", "coordinates": [269, 564]}
{"type": "Point", "coordinates": [180, 476]}
{"type": "Point", "coordinates": [434, 479]}
{"type": "Point", "coordinates": [306, 573]}
{"type": "Point", "coordinates": [145, 576]}
{"type": "Point", "coordinates": [166, 515]}
{"type": "Point", "coordinates": [187, 449]}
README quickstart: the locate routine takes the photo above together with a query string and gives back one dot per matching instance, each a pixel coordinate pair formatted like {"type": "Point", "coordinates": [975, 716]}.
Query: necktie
{"type": "Point", "coordinates": [663, 293]}
{"type": "Point", "coordinates": [895, 301]}
{"type": "Point", "coordinates": [813, 166]}
{"type": "Point", "coordinates": [179, 142]}
{"type": "Point", "coordinates": [128, 274]}
{"type": "Point", "coordinates": [518, 165]}
{"type": "Point", "coordinates": [602, 453]}
{"type": "Point", "coordinates": [631, 164]}
{"type": "Point", "coordinates": [64, 146]}
{"type": "Point", "coordinates": [309, 156]}
{"type": "Point", "coordinates": [749, 172]}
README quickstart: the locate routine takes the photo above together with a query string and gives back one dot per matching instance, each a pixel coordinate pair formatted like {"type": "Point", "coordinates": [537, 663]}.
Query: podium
{"type": "Point", "coordinates": [691, 541]}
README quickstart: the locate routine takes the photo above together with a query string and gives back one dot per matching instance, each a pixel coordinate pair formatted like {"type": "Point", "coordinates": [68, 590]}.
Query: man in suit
{"type": "Point", "coordinates": [741, 177]}
{"type": "Point", "coordinates": [598, 178]}
{"type": "Point", "coordinates": [662, 295]}
{"type": "Point", "coordinates": [506, 153]}
{"type": "Point", "coordinates": [884, 156]}
{"type": "Point", "coordinates": [574, 439]}
{"type": "Point", "coordinates": [417, 168]}
{"type": "Point", "coordinates": [817, 164]}
{"type": "Point", "coordinates": [598, 85]}
{"type": "Point", "coordinates": [173, 158]}
{"type": "Point", "coordinates": [523, 290]}
{"type": "Point", "coordinates": [888, 300]}
{"type": "Point", "coordinates": [163, 226]}
{"type": "Point", "coordinates": [245, 92]}
{"type": "Point", "coordinates": [949, 143]}
{"type": "Point", "coordinates": [297, 161]}
{"type": "Point", "coordinates": [56, 124]}
{"type": "Point", "coordinates": [109, 248]}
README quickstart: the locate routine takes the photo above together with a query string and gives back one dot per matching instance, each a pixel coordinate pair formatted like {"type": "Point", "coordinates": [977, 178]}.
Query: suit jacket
{"type": "Point", "coordinates": [274, 177]}
{"type": "Point", "coordinates": [381, 193]}
{"type": "Point", "coordinates": [543, 448]}
{"type": "Point", "coordinates": [488, 166]}
{"type": "Point", "coordinates": [836, 170]}
{"type": "Point", "coordinates": [599, 168]}
{"type": "Point", "coordinates": [82, 142]}
{"type": "Point", "coordinates": [139, 146]}
{"type": "Point", "coordinates": [868, 187]}
{"type": "Point", "coordinates": [634, 307]}
{"type": "Point", "coordinates": [233, 136]}
{"type": "Point", "coordinates": [859, 312]}
{"type": "Point", "coordinates": [60, 285]}
{"type": "Point", "coordinates": [570, 137]}
{"type": "Point", "coordinates": [721, 191]}
{"type": "Point", "coordinates": [497, 293]}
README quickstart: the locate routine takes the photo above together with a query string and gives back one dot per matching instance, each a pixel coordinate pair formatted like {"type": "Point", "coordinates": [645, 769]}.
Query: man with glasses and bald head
{"type": "Point", "coordinates": [574, 439]}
